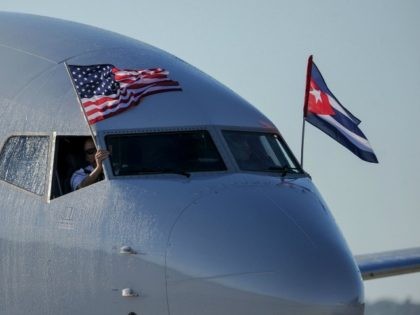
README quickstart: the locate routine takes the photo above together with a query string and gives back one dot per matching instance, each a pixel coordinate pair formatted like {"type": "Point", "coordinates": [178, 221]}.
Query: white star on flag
{"type": "Point", "coordinates": [316, 94]}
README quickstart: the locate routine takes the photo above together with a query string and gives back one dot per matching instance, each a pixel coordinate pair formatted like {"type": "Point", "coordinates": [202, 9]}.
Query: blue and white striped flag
{"type": "Point", "coordinates": [324, 111]}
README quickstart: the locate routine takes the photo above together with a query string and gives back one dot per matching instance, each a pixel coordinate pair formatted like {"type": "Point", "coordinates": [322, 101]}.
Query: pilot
{"type": "Point", "coordinates": [93, 172]}
{"type": "Point", "coordinates": [250, 156]}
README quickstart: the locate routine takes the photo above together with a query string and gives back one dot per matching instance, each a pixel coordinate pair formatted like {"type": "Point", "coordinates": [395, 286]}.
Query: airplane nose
{"type": "Point", "coordinates": [242, 249]}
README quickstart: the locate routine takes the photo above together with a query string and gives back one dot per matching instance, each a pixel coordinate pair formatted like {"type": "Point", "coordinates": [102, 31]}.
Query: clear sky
{"type": "Point", "coordinates": [367, 51]}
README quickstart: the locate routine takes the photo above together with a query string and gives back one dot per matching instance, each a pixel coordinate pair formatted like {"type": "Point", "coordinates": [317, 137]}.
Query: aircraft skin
{"type": "Point", "coordinates": [227, 242]}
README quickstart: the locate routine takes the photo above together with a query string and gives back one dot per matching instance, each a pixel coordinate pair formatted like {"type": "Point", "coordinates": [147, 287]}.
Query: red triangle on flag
{"type": "Point", "coordinates": [318, 102]}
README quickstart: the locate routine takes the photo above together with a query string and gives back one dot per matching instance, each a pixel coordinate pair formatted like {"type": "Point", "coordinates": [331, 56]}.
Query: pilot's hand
{"type": "Point", "coordinates": [100, 156]}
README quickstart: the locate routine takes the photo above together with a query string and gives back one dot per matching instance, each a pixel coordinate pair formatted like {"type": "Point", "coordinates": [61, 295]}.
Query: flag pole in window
{"type": "Point", "coordinates": [84, 114]}
{"type": "Point", "coordinates": [305, 105]}
{"type": "Point", "coordinates": [81, 106]}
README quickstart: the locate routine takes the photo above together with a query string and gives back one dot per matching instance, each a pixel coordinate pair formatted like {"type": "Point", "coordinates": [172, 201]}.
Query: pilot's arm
{"type": "Point", "coordinates": [86, 179]}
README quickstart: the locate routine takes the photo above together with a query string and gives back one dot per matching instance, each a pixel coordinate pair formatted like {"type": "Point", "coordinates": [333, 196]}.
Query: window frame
{"type": "Point", "coordinates": [49, 135]}
{"type": "Point", "coordinates": [211, 130]}
{"type": "Point", "coordinates": [56, 152]}
{"type": "Point", "coordinates": [283, 142]}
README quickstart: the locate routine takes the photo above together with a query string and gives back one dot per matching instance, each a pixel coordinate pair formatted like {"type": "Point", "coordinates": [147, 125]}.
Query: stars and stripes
{"type": "Point", "coordinates": [105, 90]}
{"type": "Point", "coordinates": [324, 111]}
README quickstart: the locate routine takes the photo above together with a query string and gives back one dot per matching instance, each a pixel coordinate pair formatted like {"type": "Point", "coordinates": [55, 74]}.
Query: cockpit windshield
{"type": "Point", "coordinates": [261, 152]}
{"type": "Point", "coordinates": [169, 152]}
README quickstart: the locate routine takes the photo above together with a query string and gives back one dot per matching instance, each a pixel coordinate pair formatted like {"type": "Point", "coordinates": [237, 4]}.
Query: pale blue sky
{"type": "Point", "coordinates": [368, 52]}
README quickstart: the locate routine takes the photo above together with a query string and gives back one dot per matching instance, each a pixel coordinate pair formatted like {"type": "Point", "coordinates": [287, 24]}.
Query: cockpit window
{"type": "Point", "coordinates": [23, 162]}
{"type": "Point", "coordinates": [169, 152]}
{"type": "Point", "coordinates": [261, 152]}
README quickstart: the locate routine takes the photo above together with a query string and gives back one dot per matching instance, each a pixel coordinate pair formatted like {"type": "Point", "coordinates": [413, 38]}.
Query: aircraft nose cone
{"type": "Point", "coordinates": [274, 242]}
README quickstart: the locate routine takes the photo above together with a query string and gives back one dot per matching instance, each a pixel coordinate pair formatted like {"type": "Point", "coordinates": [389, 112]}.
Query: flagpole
{"type": "Point", "coordinates": [302, 144]}
{"type": "Point", "coordinates": [305, 105]}
{"type": "Point", "coordinates": [84, 115]}
{"type": "Point", "coordinates": [81, 106]}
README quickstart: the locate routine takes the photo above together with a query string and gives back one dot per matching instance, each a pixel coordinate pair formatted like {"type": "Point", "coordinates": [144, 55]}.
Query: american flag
{"type": "Point", "coordinates": [105, 90]}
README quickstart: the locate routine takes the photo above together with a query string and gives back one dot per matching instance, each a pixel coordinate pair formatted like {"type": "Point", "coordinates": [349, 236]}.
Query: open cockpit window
{"type": "Point", "coordinates": [71, 161]}
{"type": "Point", "coordinates": [261, 152]}
{"type": "Point", "coordinates": [158, 153]}
{"type": "Point", "coordinates": [24, 162]}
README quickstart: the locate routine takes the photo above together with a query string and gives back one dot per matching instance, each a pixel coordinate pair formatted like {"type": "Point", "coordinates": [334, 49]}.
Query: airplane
{"type": "Point", "coordinates": [181, 224]}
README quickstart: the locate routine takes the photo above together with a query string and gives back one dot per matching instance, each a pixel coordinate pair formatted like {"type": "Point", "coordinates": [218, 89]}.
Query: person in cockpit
{"type": "Point", "coordinates": [249, 156]}
{"type": "Point", "coordinates": [92, 173]}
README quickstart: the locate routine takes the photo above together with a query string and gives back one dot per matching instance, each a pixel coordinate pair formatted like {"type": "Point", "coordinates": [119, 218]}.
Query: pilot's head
{"type": "Point", "coordinates": [90, 150]}
{"type": "Point", "coordinates": [241, 149]}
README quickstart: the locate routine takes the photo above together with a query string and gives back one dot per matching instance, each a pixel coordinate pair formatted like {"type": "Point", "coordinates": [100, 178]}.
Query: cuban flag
{"type": "Point", "coordinates": [324, 111]}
